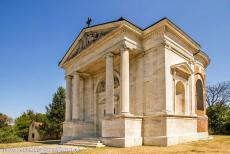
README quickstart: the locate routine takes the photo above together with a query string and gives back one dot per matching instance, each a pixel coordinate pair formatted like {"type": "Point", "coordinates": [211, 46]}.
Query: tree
{"type": "Point", "coordinates": [218, 93]}
{"type": "Point", "coordinates": [218, 111]}
{"type": "Point", "coordinates": [4, 120]}
{"type": "Point", "coordinates": [7, 135]}
{"type": "Point", "coordinates": [55, 113]}
{"type": "Point", "coordinates": [219, 119]}
{"type": "Point", "coordinates": [22, 123]}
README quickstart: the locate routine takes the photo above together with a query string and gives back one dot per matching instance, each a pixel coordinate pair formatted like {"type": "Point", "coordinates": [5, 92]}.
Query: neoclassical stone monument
{"type": "Point", "coordinates": [129, 86]}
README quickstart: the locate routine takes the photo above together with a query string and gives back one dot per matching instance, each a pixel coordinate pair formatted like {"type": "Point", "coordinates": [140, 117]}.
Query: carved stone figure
{"type": "Point", "coordinates": [88, 39]}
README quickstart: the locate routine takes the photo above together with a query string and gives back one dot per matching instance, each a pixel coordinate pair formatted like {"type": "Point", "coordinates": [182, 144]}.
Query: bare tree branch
{"type": "Point", "coordinates": [218, 93]}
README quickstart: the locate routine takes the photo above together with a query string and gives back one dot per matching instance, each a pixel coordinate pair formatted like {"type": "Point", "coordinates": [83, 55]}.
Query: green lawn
{"type": "Point", "coordinates": [219, 145]}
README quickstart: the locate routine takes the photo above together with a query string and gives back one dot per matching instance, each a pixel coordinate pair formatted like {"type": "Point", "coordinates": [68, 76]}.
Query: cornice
{"type": "Point", "coordinates": [203, 58]}
{"type": "Point", "coordinates": [168, 44]}
{"type": "Point", "coordinates": [171, 26]}
{"type": "Point", "coordinates": [154, 33]}
{"type": "Point", "coordinates": [157, 30]}
{"type": "Point", "coordinates": [122, 30]}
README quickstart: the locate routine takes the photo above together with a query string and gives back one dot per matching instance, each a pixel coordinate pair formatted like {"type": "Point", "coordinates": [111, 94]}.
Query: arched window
{"type": "Point", "coordinates": [116, 82]}
{"type": "Point", "coordinates": [180, 98]}
{"type": "Point", "coordinates": [199, 95]}
{"type": "Point", "coordinates": [101, 87]}
{"type": "Point", "coordinates": [102, 84]}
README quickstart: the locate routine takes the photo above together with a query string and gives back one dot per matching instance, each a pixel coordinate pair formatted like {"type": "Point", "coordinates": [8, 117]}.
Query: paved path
{"type": "Point", "coordinates": [42, 149]}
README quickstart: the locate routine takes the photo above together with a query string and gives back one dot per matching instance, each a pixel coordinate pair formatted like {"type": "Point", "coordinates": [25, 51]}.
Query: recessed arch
{"type": "Point", "coordinates": [180, 98]}
{"type": "Point", "coordinates": [199, 95]}
{"type": "Point", "coordinates": [100, 86]}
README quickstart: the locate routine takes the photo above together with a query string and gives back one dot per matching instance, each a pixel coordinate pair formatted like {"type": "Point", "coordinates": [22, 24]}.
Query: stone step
{"type": "Point", "coordinates": [91, 139]}
{"type": "Point", "coordinates": [92, 142]}
{"type": "Point", "coordinates": [83, 140]}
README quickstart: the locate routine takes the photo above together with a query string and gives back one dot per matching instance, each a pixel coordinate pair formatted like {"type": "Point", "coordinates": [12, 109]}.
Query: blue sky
{"type": "Point", "coordinates": [34, 35]}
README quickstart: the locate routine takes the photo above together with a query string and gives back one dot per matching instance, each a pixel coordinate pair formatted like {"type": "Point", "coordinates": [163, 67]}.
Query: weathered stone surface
{"type": "Point", "coordinates": [137, 87]}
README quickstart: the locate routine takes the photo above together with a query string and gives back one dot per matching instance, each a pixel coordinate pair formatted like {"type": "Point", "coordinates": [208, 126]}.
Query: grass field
{"type": "Point", "coordinates": [219, 145]}
{"type": "Point", "coordinates": [28, 144]}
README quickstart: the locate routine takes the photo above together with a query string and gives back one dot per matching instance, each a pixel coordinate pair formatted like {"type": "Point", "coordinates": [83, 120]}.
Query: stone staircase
{"type": "Point", "coordinates": [86, 142]}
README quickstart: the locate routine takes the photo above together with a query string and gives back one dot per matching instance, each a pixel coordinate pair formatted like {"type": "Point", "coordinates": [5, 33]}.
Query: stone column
{"type": "Point", "coordinates": [174, 94]}
{"type": "Point", "coordinates": [193, 95]}
{"type": "Point", "coordinates": [92, 104]}
{"type": "Point", "coordinates": [124, 81]}
{"type": "Point", "coordinates": [68, 100]}
{"type": "Point", "coordinates": [109, 85]}
{"type": "Point", "coordinates": [140, 85]}
{"type": "Point", "coordinates": [76, 92]}
{"type": "Point", "coordinates": [81, 100]}
{"type": "Point", "coordinates": [187, 97]}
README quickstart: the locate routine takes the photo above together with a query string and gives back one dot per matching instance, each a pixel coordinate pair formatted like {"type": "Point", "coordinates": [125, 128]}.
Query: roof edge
{"type": "Point", "coordinates": [141, 29]}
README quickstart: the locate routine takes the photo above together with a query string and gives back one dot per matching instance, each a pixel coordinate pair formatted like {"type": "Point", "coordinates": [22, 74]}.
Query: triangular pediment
{"type": "Point", "coordinates": [87, 39]}
{"type": "Point", "coordinates": [88, 36]}
{"type": "Point", "coordinates": [182, 69]}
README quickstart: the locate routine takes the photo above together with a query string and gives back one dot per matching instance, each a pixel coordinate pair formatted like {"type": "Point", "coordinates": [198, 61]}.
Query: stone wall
{"type": "Point", "coordinates": [154, 81]}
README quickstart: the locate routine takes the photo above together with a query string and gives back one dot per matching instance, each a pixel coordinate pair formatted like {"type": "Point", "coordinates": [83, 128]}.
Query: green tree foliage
{"type": "Point", "coordinates": [23, 122]}
{"type": "Point", "coordinates": [55, 114]}
{"type": "Point", "coordinates": [4, 120]}
{"type": "Point", "coordinates": [219, 119]}
{"type": "Point", "coordinates": [7, 135]}
{"type": "Point", "coordinates": [218, 110]}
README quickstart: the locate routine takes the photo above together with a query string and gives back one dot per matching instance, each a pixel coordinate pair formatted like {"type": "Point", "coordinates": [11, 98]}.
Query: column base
{"type": "Point", "coordinates": [122, 131]}
{"type": "Point", "coordinates": [174, 140]}
{"type": "Point", "coordinates": [122, 142]}
{"type": "Point", "coordinates": [77, 129]}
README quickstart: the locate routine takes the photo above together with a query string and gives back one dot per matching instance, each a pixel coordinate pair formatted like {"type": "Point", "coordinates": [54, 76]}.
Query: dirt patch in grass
{"type": "Point", "coordinates": [219, 145]}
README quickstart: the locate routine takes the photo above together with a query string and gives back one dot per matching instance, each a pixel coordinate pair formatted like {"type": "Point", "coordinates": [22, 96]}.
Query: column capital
{"type": "Point", "coordinates": [110, 54]}
{"type": "Point", "coordinates": [123, 47]}
{"type": "Point", "coordinates": [80, 74]}
{"type": "Point", "coordinates": [76, 73]}
{"type": "Point", "coordinates": [68, 77]}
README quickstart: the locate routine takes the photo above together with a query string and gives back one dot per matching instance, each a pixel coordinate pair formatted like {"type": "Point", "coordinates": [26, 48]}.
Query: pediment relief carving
{"type": "Point", "coordinates": [88, 39]}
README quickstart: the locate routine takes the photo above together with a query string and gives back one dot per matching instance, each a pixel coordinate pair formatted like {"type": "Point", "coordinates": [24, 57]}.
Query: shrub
{"type": "Point", "coordinates": [219, 119]}
{"type": "Point", "coordinates": [7, 135]}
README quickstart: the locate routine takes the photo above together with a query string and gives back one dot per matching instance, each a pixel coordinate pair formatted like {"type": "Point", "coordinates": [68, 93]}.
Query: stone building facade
{"type": "Point", "coordinates": [129, 86]}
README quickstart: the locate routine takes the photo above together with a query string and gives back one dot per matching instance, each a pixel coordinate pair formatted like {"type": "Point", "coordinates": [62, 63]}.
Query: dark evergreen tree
{"type": "Point", "coordinates": [55, 114]}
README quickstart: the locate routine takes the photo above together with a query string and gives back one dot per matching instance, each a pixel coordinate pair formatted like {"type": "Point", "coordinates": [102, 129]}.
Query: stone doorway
{"type": "Point", "coordinates": [100, 116]}
{"type": "Point", "coordinates": [101, 103]}
{"type": "Point", "coordinates": [101, 111]}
